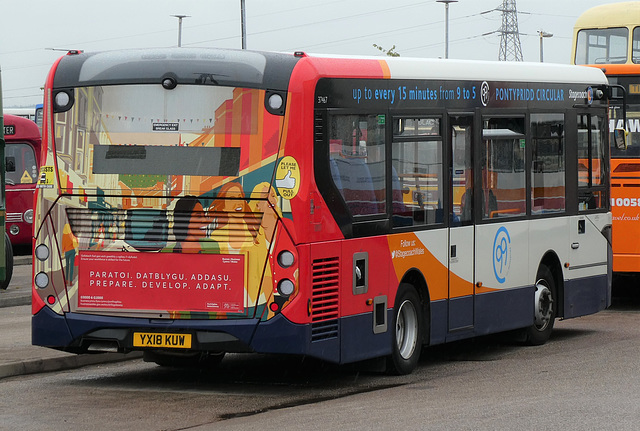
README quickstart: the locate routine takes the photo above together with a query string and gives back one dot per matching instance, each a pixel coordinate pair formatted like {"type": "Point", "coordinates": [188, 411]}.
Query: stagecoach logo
{"type": "Point", "coordinates": [585, 94]}
{"type": "Point", "coordinates": [501, 254]}
{"type": "Point", "coordinates": [484, 93]}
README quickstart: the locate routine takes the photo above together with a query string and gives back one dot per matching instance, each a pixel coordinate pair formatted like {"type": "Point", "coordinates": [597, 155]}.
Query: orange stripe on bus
{"type": "Point", "coordinates": [618, 69]}
{"type": "Point", "coordinates": [386, 72]}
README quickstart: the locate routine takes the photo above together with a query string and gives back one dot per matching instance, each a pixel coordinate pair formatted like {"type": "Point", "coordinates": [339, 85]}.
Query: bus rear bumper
{"type": "Point", "coordinates": [626, 263]}
{"type": "Point", "coordinates": [584, 296]}
{"type": "Point", "coordinates": [79, 333]}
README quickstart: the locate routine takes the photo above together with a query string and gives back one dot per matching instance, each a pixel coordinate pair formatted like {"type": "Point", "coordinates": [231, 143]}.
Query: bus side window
{"type": "Point", "coordinates": [417, 178]}
{"type": "Point", "coordinates": [502, 163]}
{"type": "Point", "coordinates": [357, 162]}
{"type": "Point", "coordinates": [461, 188]}
{"type": "Point", "coordinates": [547, 167]}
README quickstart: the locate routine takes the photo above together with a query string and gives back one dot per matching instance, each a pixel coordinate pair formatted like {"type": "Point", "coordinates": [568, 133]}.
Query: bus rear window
{"type": "Point", "coordinates": [155, 160]}
{"type": "Point", "coordinates": [149, 140]}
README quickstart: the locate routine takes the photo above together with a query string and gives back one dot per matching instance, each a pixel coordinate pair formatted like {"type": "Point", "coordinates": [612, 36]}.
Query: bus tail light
{"type": "Point", "coordinates": [42, 280]}
{"type": "Point", "coordinates": [286, 259]}
{"type": "Point", "coordinates": [42, 252]}
{"type": "Point", "coordinates": [284, 275]}
{"type": "Point", "coordinates": [286, 287]}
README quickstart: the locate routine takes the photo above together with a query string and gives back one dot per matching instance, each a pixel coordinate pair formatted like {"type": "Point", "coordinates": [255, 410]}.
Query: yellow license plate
{"type": "Point", "coordinates": [157, 339]}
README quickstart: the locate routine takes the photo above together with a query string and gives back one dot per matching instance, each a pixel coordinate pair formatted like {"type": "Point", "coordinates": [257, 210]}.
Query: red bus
{"type": "Point", "coordinates": [22, 162]}
{"type": "Point", "coordinates": [194, 202]}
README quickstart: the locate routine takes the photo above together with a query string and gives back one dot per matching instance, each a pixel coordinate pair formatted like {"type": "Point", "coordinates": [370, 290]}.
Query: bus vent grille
{"type": "Point", "coordinates": [14, 217]}
{"type": "Point", "coordinates": [324, 298]}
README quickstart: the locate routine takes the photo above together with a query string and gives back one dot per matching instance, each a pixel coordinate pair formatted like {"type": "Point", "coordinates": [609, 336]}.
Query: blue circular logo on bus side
{"type": "Point", "coordinates": [501, 254]}
{"type": "Point", "coordinates": [484, 93]}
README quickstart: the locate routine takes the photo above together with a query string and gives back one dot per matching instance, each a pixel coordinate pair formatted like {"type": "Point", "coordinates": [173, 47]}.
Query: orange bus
{"type": "Point", "coordinates": [194, 202]}
{"type": "Point", "coordinates": [608, 37]}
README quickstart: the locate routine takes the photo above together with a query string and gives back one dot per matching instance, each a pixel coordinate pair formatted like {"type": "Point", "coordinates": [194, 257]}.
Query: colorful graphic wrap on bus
{"type": "Point", "coordinates": [153, 197]}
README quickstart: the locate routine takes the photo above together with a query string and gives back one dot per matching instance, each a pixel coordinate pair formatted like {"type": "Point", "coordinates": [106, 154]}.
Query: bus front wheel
{"type": "Point", "coordinates": [544, 308]}
{"type": "Point", "coordinates": [407, 331]}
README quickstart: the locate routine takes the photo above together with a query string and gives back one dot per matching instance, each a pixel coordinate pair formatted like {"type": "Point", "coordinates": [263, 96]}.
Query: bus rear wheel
{"type": "Point", "coordinates": [545, 309]}
{"type": "Point", "coordinates": [407, 333]}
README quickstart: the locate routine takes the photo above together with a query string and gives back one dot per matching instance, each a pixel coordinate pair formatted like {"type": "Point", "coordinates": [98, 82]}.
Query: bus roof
{"type": "Point", "coordinates": [624, 14]}
{"type": "Point", "coordinates": [23, 128]}
{"type": "Point", "coordinates": [271, 70]}
{"type": "Point", "coordinates": [187, 65]}
{"type": "Point", "coordinates": [507, 71]}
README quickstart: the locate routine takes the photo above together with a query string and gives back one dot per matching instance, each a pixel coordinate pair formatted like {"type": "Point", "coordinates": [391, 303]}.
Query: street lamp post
{"type": "Point", "coordinates": [243, 19]}
{"type": "Point", "coordinates": [446, 25]}
{"type": "Point", "coordinates": [543, 34]}
{"type": "Point", "coordinates": [180, 27]}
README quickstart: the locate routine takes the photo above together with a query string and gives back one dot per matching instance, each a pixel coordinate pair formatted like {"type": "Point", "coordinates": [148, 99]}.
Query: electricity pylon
{"type": "Point", "coordinates": [509, 35]}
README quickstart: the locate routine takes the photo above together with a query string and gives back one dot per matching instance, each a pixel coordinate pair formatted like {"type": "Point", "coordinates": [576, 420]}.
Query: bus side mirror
{"type": "Point", "coordinates": [620, 138]}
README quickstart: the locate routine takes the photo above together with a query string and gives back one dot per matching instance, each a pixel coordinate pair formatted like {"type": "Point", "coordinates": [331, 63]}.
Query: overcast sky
{"type": "Point", "coordinates": [31, 32]}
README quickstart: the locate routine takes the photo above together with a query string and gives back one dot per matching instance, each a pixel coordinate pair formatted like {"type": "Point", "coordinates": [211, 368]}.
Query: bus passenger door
{"type": "Point", "coordinates": [461, 232]}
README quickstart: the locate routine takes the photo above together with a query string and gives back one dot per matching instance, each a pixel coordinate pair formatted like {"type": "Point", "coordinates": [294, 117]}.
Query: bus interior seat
{"type": "Point", "coordinates": [357, 186]}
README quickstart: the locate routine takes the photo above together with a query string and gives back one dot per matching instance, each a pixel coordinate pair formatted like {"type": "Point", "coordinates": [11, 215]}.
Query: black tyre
{"type": "Point", "coordinates": [407, 327]}
{"type": "Point", "coordinates": [8, 252]}
{"type": "Point", "coordinates": [545, 309]}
